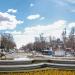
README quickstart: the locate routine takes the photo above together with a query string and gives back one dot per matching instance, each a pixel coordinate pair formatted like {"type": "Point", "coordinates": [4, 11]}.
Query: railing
{"type": "Point", "coordinates": [37, 67]}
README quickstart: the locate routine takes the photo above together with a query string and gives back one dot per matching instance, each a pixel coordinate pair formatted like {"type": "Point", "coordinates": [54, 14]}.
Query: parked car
{"type": "Point", "coordinates": [47, 52]}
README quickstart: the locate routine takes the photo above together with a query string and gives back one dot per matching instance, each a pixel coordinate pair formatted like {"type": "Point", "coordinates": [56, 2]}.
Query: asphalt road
{"type": "Point", "coordinates": [28, 65]}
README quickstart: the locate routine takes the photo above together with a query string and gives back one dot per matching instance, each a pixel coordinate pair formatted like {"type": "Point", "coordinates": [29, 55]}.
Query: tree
{"type": "Point", "coordinates": [69, 42]}
{"type": "Point", "coordinates": [64, 38]}
{"type": "Point", "coordinates": [40, 43]}
{"type": "Point", "coordinates": [72, 38]}
{"type": "Point", "coordinates": [7, 41]}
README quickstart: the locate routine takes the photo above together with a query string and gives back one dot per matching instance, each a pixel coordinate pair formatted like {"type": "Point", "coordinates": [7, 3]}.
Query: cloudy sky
{"type": "Point", "coordinates": [26, 19]}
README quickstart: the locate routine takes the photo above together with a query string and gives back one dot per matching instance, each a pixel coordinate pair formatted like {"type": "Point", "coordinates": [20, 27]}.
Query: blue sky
{"type": "Point", "coordinates": [29, 16]}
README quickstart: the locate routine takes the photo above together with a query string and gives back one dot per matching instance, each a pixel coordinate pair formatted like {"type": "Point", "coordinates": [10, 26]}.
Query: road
{"type": "Point", "coordinates": [30, 65]}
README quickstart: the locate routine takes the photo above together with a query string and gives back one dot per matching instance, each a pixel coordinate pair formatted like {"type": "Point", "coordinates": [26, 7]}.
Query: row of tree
{"type": "Point", "coordinates": [7, 42]}
{"type": "Point", "coordinates": [69, 42]}
{"type": "Point", "coordinates": [41, 43]}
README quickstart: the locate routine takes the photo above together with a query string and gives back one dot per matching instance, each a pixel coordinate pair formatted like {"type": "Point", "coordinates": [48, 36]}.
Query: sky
{"type": "Point", "coordinates": [26, 19]}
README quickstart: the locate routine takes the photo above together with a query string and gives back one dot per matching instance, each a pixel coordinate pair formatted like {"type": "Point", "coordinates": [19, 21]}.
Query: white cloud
{"type": "Point", "coordinates": [61, 3]}
{"type": "Point", "coordinates": [8, 21]}
{"type": "Point", "coordinates": [71, 1]}
{"type": "Point", "coordinates": [36, 16]}
{"type": "Point", "coordinates": [29, 33]}
{"type": "Point", "coordinates": [70, 25]}
{"type": "Point", "coordinates": [42, 18]}
{"type": "Point", "coordinates": [33, 17]}
{"type": "Point", "coordinates": [12, 11]}
{"type": "Point", "coordinates": [31, 5]}
{"type": "Point", "coordinates": [73, 10]}
{"type": "Point", "coordinates": [48, 29]}
{"type": "Point", "coordinates": [55, 29]}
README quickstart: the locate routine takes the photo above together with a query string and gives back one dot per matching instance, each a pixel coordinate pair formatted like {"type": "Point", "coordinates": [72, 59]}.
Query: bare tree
{"type": "Point", "coordinates": [72, 38]}
{"type": "Point", "coordinates": [7, 41]}
{"type": "Point", "coordinates": [64, 38]}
